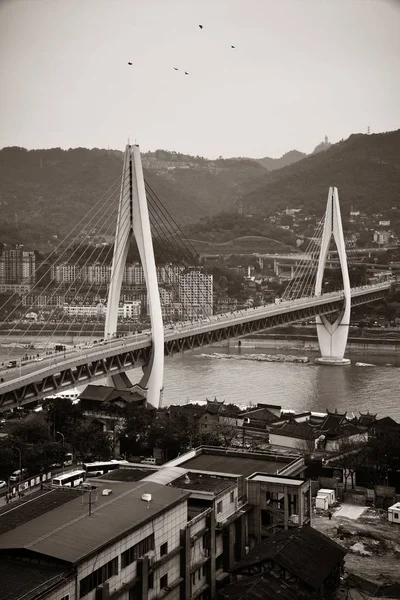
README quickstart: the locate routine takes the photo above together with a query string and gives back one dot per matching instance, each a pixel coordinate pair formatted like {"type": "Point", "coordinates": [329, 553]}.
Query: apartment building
{"type": "Point", "coordinates": [195, 291]}
{"type": "Point", "coordinates": [17, 266]}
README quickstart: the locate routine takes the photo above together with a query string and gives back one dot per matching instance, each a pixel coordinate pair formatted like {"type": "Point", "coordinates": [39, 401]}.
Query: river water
{"type": "Point", "coordinates": [197, 375]}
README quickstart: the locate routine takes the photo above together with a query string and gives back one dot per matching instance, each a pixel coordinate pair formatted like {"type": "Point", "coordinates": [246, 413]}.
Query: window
{"type": "Point", "coordinates": [66, 597]}
{"type": "Point", "coordinates": [203, 570]}
{"type": "Point", "coordinates": [194, 578]}
{"type": "Point", "coordinates": [219, 507]}
{"type": "Point", "coordinates": [164, 549]}
{"type": "Point", "coordinates": [92, 581]}
{"type": "Point", "coordinates": [150, 581]}
{"type": "Point", "coordinates": [232, 496]}
{"type": "Point", "coordinates": [136, 551]}
{"type": "Point", "coordinates": [164, 581]}
{"type": "Point", "coordinates": [199, 574]}
{"type": "Point", "coordinates": [396, 515]}
{"type": "Point", "coordinates": [204, 541]}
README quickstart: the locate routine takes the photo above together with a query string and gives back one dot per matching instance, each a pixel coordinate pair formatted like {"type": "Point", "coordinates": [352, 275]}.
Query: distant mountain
{"type": "Point", "coordinates": [45, 192]}
{"type": "Point", "coordinates": [364, 168]}
{"type": "Point", "coordinates": [322, 146]}
{"type": "Point", "coordinates": [271, 164]}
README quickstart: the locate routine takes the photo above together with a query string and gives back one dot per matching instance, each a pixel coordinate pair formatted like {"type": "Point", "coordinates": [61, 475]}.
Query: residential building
{"type": "Point", "coordinates": [382, 237]}
{"type": "Point", "coordinates": [17, 266]}
{"type": "Point", "coordinates": [195, 291]}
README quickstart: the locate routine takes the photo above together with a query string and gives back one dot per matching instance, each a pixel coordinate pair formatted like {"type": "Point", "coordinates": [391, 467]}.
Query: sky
{"type": "Point", "coordinates": [300, 70]}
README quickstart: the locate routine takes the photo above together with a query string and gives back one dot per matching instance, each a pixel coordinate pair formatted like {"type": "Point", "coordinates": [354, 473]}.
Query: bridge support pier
{"type": "Point", "coordinates": [133, 220]}
{"type": "Point", "coordinates": [332, 337]}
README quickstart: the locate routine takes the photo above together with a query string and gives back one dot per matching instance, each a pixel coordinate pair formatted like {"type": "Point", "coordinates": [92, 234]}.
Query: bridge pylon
{"type": "Point", "coordinates": [332, 337]}
{"type": "Point", "coordinates": [133, 221]}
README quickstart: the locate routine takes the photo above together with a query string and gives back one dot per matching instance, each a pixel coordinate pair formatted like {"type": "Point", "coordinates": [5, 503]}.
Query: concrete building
{"type": "Point", "coordinates": [124, 544]}
{"type": "Point", "coordinates": [382, 237]}
{"type": "Point", "coordinates": [174, 532]}
{"type": "Point", "coordinates": [17, 266]}
{"type": "Point", "coordinates": [195, 291]}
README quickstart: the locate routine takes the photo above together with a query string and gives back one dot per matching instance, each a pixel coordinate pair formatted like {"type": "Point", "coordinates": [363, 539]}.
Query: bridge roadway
{"type": "Point", "coordinates": [35, 380]}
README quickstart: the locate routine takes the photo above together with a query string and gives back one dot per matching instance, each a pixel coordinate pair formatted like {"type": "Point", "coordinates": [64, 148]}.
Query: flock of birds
{"type": "Point", "coordinates": [176, 68]}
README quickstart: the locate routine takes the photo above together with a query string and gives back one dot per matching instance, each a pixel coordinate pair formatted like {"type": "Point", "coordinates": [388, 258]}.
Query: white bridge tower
{"type": "Point", "coordinates": [332, 337]}
{"type": "Point", "coordinates": [133, 220]}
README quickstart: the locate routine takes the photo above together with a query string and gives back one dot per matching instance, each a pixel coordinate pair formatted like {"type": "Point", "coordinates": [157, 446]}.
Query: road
{"type": "Point", "coordinates": [23, 375]}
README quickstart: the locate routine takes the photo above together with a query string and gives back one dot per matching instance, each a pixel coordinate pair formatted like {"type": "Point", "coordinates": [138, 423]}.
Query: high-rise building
{"type": "Point", "coordinates": [195, 291]}
{"type": "Point", "coordinates": [17, 265]}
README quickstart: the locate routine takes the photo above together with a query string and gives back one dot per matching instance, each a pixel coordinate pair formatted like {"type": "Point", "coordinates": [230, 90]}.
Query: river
{"type": "Point", "coordinates": [195, 376]}
{"type": "Point", "coordinates": [200, 374]}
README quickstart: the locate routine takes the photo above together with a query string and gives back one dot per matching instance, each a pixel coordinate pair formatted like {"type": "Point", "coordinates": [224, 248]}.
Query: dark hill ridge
{"type": "Point", "coordinates": [271, 164]}
{"type": "Point", "coordinates": [365, 169]}
{"type": "Point", "coordinates": [51, 190]}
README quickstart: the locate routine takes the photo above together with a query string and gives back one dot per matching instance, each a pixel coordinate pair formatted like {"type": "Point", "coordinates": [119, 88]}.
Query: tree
{"type": "Point", "coordinates": [352, 455]}
{"type": "Point", "coordinates": [89, 439]}
{"type": "Point", "coordinates": [306, 446]}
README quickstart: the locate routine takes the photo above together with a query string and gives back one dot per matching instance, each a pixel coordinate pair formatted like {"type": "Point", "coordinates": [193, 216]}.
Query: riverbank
{"type": "Point", "coordinates": [309, 343]}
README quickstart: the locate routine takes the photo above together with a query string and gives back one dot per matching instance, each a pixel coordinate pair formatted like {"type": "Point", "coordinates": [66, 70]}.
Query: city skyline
{"type": "Point", "coordinates": [297, 72]}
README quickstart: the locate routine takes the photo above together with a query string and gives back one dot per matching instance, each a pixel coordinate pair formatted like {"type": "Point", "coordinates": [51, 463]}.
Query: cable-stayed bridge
{"type": "Point", "coordinates": [90, 284]}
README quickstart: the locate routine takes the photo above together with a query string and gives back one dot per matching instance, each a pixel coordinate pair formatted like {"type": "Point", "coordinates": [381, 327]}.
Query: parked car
{"type": "Point", "coordinates": [17, 475]}
{"type": "Point", "coordinates": [3, 483]}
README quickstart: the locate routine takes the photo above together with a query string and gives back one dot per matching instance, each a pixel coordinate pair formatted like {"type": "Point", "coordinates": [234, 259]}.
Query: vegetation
{"type": "Point", "coordinates": [364, 168]}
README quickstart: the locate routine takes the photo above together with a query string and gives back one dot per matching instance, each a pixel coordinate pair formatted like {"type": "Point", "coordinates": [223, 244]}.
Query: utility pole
{"type": "Point", "coordinates": [63, 440]}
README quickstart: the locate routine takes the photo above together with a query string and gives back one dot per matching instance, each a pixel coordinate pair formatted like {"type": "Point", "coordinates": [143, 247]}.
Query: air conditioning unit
{"type": "Point", "coordinates": [246, 549]}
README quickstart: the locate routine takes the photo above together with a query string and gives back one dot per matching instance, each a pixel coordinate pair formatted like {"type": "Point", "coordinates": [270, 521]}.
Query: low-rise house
{"type": "Point", "coordinates": [307, 560]}
{"type": "Point", "coordinates": [316, 433]}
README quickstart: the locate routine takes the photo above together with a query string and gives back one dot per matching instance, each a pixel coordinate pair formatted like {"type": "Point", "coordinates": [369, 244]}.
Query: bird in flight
{"type": "Point", "coordinates": [186, 73]}
{"type": "Point", "coordinates": [129, 63]}
{"type": "Point", "coordinates": [233, 46]}
{"type": "Point", "coordinates": [201, 26]}
{"type": "Point", "coordinates": [175, 69]}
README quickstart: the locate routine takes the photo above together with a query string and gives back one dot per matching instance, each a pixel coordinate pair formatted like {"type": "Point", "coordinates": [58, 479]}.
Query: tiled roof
{"type": "Point", "coordinates": [261, 414]}
{"type": "Point", "coordinates": [100, 393]}
{"type": "Point", "coordinates": [304, 552]}
{"type": "Point", "coordinates": [259, 587]}
{"type": "Point", "coordinates": [303, 431]}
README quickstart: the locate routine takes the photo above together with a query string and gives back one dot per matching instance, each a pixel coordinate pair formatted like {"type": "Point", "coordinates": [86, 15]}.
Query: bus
{"type": "Point", "coordinates": [101, 467]}
{"type": "Point", "coordinates": [71, 479]}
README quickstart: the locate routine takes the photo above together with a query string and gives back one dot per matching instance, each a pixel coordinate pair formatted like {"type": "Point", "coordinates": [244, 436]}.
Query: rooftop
{"type": "Point", "coordinates": [238, 463]}
{"type": "Point", "coordinates": [275, 479]}
{"type": "Point", "coordinates": [304, 552]}
{"type": "Point", "coordinates": [129, 473]}
{"type": "Point", "coordinates": [22, 579]}
{"type": "Point", "coordinates": [37, 504]}
{"type": "Point", "coordinates": [68, 533]}
{"type": "Point", "coordinates": [200, 482]}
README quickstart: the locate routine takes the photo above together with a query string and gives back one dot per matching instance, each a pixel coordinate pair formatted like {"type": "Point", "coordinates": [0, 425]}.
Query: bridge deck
{"type": "Point", "coordinates": [34, 381]}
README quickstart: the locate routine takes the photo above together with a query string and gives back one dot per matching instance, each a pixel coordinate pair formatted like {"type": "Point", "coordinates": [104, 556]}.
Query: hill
{"type": "Point", "coordinates": [271, 164]}
{"type": "Point", "coordinates": [365, 169]}
{"type": "Point", "coordinates": [46, 192]}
